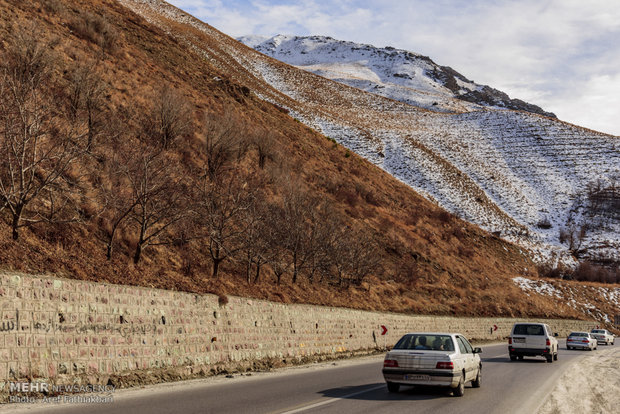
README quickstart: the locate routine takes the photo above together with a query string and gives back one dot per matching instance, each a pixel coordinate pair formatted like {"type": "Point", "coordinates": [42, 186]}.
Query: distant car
{"type": "Point", "coordinates": [435, 359]}
{"type": "Point", "coordinates": [532, 339]}
{"type": "Point", "coordinates": [582, 340]}
{"type": "Point", "coordinates": [603, 336]}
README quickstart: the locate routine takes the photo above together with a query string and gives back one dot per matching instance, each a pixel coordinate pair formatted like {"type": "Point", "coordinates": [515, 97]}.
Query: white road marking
{"type": "Point", "coordinates": [332, 400]}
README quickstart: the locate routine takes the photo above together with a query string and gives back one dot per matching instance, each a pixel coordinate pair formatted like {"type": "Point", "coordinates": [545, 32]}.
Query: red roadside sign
{"type": "Point", "coordinates": [384, 330]}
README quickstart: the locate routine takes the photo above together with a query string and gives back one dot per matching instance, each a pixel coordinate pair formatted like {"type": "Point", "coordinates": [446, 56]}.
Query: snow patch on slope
{"type": "Point", "coordinates": [601, 303]}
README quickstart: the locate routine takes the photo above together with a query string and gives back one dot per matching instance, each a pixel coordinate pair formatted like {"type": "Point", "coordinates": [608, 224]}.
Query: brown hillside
{"type": "Point", "coordinates": [427, 261]}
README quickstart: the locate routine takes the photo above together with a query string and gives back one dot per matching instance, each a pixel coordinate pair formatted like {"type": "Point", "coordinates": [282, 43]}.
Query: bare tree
{"type": "Point", "coordinates": [168, 119]}
{"type": "Point", "coordinates": [574, 234]}
{"type": "Point", "coordinates": [327, 236]}
{"type": "Point", "coordinates": [222, 136]}
{"type": "Point", "coordinates": [255, 249]}
{"type": "Point", "coordinates": [38, 142]}
{"type": "Point", "coordinates": [280, 264]}
{"type": "Point", "coordinates": [263, 143]}
{"type": "Point", "coordinates": [362, 256]}
{"type": "Point", "coordinates": [352, 255]}
{"type": "Point", "coordinates": [298, 226]}
{"type": "Point", "coordinates": [219, 211]}
{"type": "Point", "coordinates": [86, 99]}
{"type": "Point", "coordinates": [116, 193]}
{"type": "Point", "coordinates": [159, 199]}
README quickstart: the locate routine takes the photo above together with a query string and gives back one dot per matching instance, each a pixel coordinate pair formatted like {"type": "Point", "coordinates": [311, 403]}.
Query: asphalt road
{"type": "Point", "coordinates": [347, 387]}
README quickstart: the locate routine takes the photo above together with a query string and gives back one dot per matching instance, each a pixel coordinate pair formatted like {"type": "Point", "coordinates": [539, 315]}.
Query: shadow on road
{"type": "Point", "coordinates": [530, 360]}
{"type": "Point", "coordinates": [412, 393]}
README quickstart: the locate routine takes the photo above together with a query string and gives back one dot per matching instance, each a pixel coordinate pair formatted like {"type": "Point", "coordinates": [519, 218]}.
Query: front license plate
{"type": "Point", "coordinates": [519, 340]}
{"type": "Point", "coordinates": [417, 378]}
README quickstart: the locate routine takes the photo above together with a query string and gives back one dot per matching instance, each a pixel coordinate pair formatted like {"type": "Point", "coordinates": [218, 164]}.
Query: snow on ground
{"type": "Point", "coordinates": [589, 385]}
{"type": "Point", "coordinates": [601, 303]}
{"type": "Point", "coordinates": [512, 172]}
{"type": "Point", "coordinates": [538, 286]}
{"type": "Point", "coordinates": [394, 73]}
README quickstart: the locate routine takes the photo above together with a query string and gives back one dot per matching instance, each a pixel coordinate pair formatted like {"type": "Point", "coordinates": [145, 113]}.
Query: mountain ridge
{"type": "Point", "coordinates": [394, 73]}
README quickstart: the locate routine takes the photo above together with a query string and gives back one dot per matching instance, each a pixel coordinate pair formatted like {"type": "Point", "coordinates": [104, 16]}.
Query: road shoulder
{"type": "Point", "coordinates": [590, 384]}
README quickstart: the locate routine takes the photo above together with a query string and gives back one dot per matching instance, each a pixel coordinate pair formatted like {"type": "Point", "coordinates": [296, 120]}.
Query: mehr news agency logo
{"type": "Point", "coordinates": [71, 393]}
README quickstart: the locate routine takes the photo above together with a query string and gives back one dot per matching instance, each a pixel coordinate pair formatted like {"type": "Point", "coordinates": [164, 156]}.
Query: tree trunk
{"type": "Point", "coordinates": [217, 259]}
{"type": "Point", "coordinates": [294, 267]}
{"type": "Point", "coordinates": [138, 254]}
{"type": "Point", "coordinates": [15, 226]}
{"type": "Point", "coordinates": [110, 246]}
{"type": "Point", "coordinates": [15, 232]}
{"type": "Point", "coordinates": [248, 268]}
{"type": "Point", "coordinates": [257, 275]}
{"type": "Point", "coordinates": [216, 267]}
{"type": "Point", "coordinates": [140, 245]}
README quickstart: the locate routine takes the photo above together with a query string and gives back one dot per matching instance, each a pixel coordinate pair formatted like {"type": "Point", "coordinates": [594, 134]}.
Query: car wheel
{"type": "Point", "coordinates": [550, 359]}
{"type": "Point", "coordinates": [460, 389]}
{"type": "Point", "coordinates": [393, 387]}
{"type": "Point", "coordinates": [513, 357]}
{"type": "Point", "coordinates": [520, 357]}
{"type": "Point", "coordinates": [478, 381]}
{"type": "Point", "coordinates": [555, 356]}
{"type": "Point", "coordinates": [569, 348]}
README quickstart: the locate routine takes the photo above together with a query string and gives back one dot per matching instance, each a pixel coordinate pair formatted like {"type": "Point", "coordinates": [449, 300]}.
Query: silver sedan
{"type": "Point", "coordinates": [581, 340]}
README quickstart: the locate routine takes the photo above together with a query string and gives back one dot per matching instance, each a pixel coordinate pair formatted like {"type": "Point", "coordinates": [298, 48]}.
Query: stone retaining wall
{"type": "Point", "coordinates": [60, 329]}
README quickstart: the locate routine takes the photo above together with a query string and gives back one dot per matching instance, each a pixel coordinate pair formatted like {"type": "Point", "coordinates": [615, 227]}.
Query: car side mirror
{"type": "Point", "coordinates": [477, 350]}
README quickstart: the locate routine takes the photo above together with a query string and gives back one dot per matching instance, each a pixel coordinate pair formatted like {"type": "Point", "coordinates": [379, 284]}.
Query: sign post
{"type": "Point", "coordinates": [383, 332]}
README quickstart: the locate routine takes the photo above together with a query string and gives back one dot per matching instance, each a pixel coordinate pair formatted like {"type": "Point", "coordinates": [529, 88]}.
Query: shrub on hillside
{"type": "Point", "coordinates": [590, 272]}
{"type": "Point", "coordinates": [97, 30]}
{"type": "Point", "coordinates": [444, 216]}
{"type": "Point", "coordinates": [52, 6]}
{"type": "Point", "coordinates": [552, 272]}
{"type": "Point", "coordinates": [544, 224]}
{"type": "Point", "coordinates": [465, 252]}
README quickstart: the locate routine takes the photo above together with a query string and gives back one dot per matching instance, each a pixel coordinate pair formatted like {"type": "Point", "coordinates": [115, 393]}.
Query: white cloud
{"type": "Point", "coordinates": [553, 53]}
{"type": "Point", "coordinates": [595, 105]}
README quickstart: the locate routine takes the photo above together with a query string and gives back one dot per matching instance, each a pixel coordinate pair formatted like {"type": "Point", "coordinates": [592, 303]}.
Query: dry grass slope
{"type": "Point", "coordinates": [429, 261]}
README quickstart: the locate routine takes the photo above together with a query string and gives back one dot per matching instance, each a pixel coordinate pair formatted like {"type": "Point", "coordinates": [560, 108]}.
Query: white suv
{"type": "Point", "coordinates": [532, 339]}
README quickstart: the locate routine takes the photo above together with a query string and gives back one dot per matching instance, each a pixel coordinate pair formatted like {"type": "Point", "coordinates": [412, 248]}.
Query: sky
{"type": "Point", "coordinates": [562, 55]}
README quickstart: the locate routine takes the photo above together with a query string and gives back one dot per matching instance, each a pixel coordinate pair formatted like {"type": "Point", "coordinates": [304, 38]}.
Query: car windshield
{"type": "Point", "coordinates": [426, 342]}
{"type": "Point", "coordinates": [598, 331]}
{"type": "Point", "coordinates": [528, 330]}
{"type": "Point", "coordinates": [578, 334]}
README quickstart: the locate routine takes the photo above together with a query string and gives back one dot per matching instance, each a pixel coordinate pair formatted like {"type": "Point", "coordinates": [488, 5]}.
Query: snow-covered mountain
{"type": "Point", "coordinates": [394, 73]}
{"type": "Point", "coordinates": [547, 185]}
